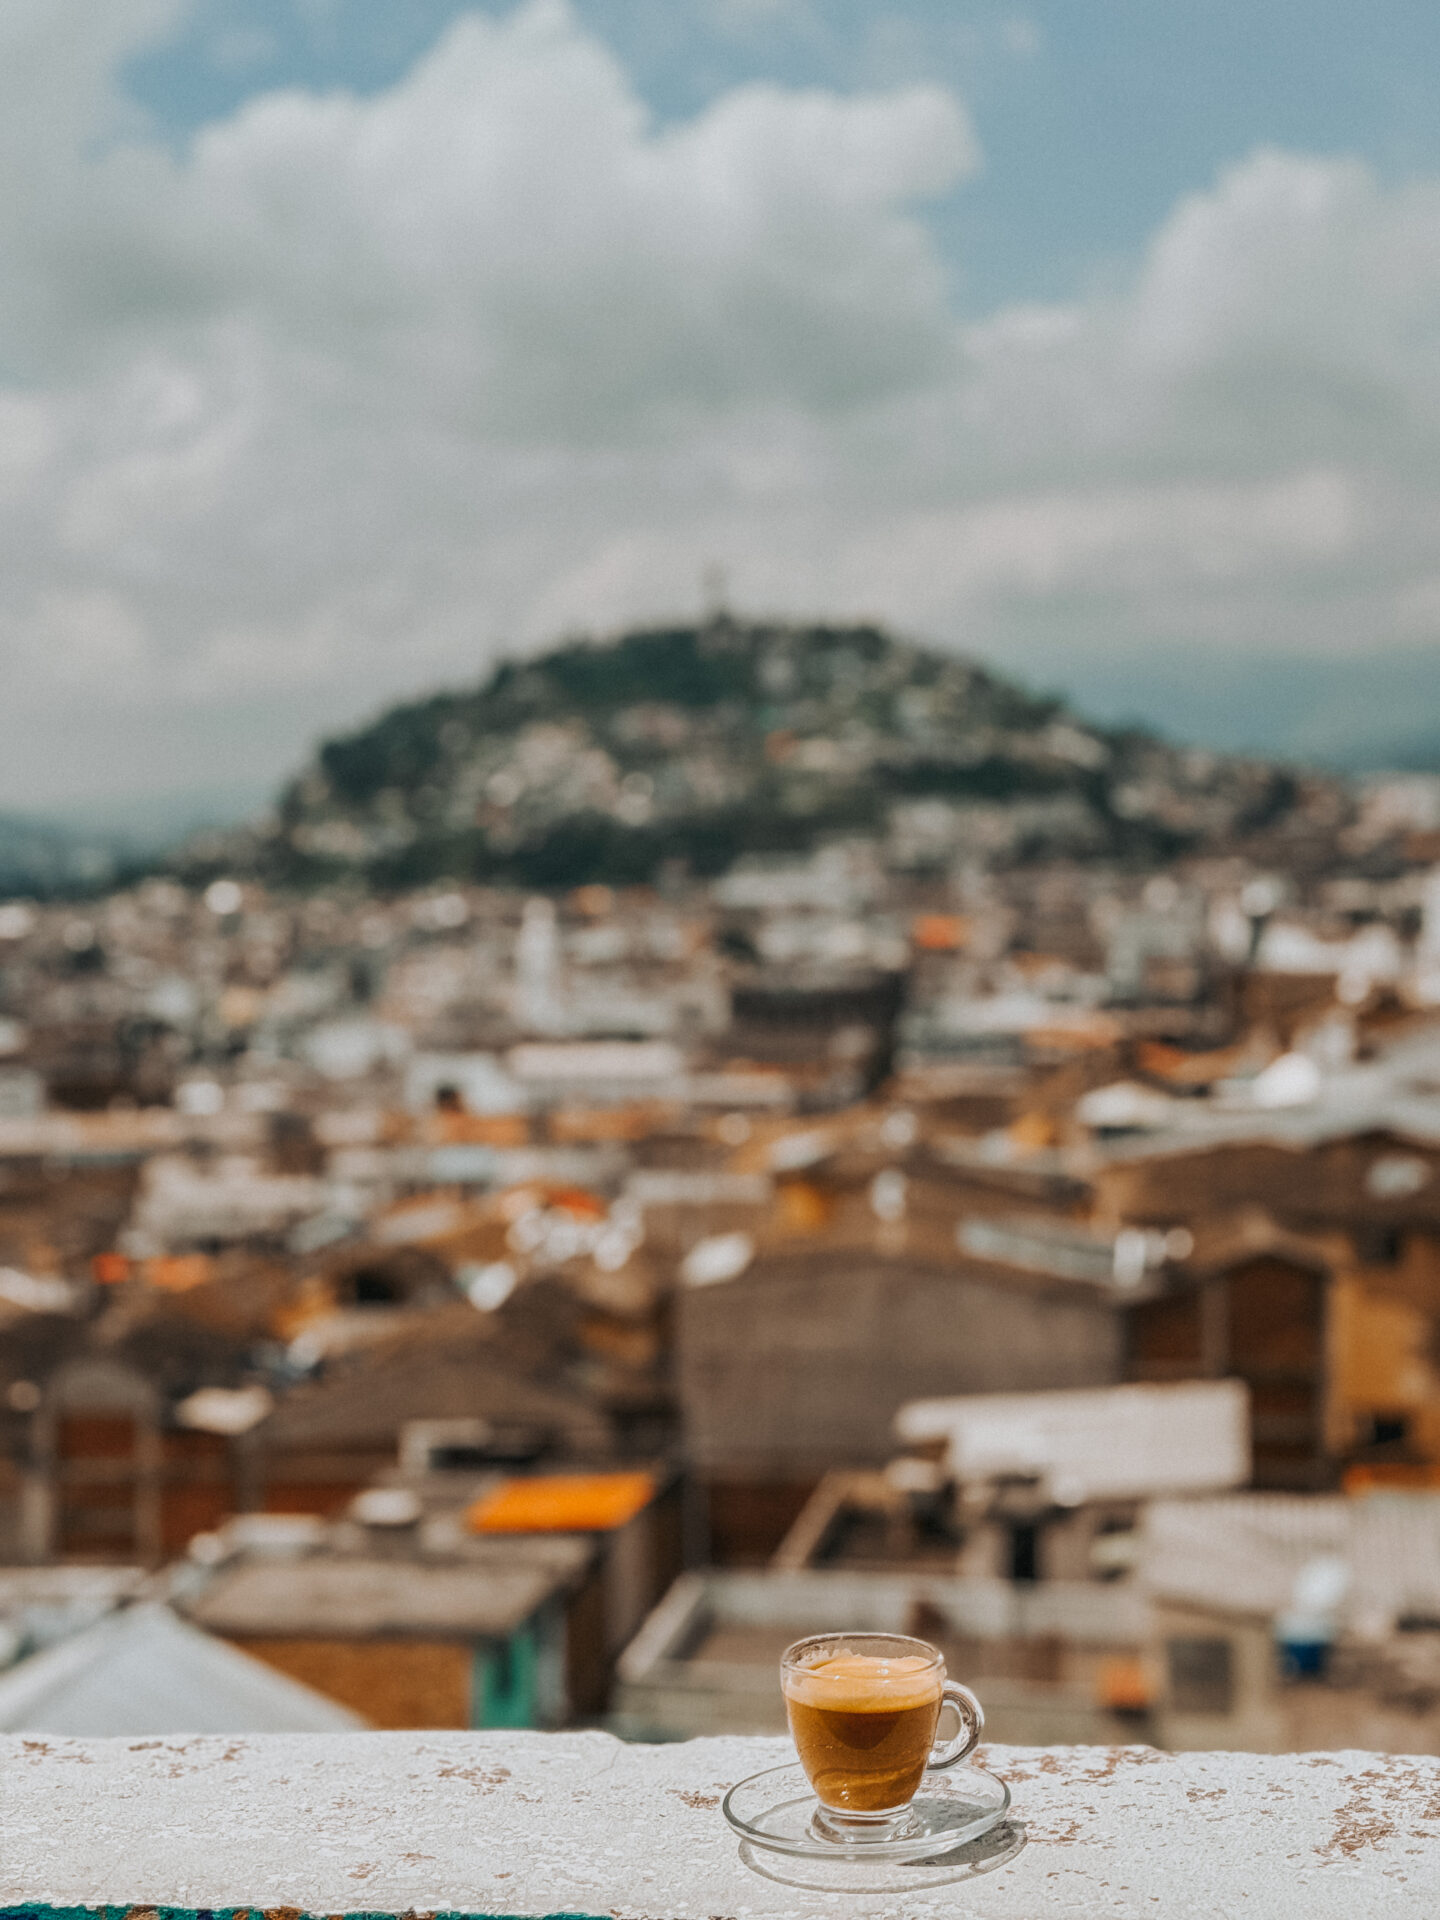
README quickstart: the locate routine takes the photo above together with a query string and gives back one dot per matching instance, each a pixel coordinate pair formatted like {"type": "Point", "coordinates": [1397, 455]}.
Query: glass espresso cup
{"type": "Point", "coordinates": [864, 1709]}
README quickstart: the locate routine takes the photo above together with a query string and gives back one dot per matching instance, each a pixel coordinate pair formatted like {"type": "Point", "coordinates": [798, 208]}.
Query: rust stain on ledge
{"type": "Point", "coordinates": [1058, 1836]}
{"type": "Point", "coordinates": [483, 1779]}
{"type": "Point", "coordinates": [1359, 1821]}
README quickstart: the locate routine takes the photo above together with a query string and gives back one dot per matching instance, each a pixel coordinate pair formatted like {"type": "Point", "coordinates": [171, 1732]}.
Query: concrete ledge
{"type": "Point", "coordinates": [524, 1824]}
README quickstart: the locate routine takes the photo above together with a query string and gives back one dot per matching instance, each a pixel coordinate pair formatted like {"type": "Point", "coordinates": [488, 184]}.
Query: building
{"type": "Point", "coordinates": [1226, 1582]}
{"type": "Point", "coordinates": [1026, 1486]}
{"type": "Point", "coordinates": [1054, 1662]}
{"type": "Point", "coordinates": [447, 1597]}
{"type": "Point", "coordinates": [800, 1363]}
{"type": "Point", "coordinates": [472, 1641]}
{"type": "Point", "coordinates": [329, 1437]}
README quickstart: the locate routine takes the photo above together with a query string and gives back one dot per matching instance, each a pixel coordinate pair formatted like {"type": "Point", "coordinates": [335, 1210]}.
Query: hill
{"type": "Point", "coordinates": [697, 745]}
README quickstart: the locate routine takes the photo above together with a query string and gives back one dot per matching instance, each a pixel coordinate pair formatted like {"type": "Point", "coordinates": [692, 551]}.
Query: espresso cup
{"type": "Point", "coordinates": [864, 1709]}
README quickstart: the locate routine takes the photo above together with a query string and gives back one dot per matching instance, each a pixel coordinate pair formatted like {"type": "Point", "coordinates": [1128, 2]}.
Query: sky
{"type": "Point", "coordinates": [346, 347]}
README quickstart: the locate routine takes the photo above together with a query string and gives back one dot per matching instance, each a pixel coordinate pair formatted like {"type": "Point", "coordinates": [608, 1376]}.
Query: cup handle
{"type": "Point", "coordinates": [972, 1725]}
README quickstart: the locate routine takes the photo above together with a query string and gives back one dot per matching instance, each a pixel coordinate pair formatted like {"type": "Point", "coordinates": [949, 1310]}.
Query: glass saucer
{"type": "Point", "coordinates": [852, 1872]}
{"type": "Point", "coordinates": [776, 1810]}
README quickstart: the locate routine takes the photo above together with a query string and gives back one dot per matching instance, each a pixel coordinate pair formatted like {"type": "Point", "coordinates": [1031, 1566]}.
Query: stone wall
{"type": "Point", "coordinates": [524, 1824]}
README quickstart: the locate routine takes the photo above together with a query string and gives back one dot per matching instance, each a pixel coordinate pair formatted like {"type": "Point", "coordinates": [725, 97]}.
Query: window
{"type": "Point", "coordinates": [1202, 1678]}
{"type": "Point", "coordinates": [1024, 1550]}
{"type": "Point", "coordinates": [1385, 1430]}
{"type": "Point", "coordinates": [1378, 1246]}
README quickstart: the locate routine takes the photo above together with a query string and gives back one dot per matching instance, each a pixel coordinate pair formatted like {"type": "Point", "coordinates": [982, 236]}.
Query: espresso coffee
{"type": "Point", "coordinates": [864, 1727]}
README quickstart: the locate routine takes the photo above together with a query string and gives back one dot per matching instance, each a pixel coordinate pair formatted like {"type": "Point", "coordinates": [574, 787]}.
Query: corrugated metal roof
{"type": "Point", "coordinates": [1094, 1443]}
{"type": "Point", "coordinates": [143, 1671]}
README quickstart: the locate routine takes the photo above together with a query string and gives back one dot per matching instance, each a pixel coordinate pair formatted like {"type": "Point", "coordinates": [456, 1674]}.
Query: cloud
{"type": "Point", "coordinates": [504, 232]}
{"type": "Point", "coordinates": [318, 396]}
{"type": "Point", "coordinates": [355, 391]}
{"type": "Point", "coordinates": [1292, 312]}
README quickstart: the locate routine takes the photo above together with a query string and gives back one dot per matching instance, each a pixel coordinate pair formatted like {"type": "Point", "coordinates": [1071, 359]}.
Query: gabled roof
{"type": "Point", "coordinates": [864, 1263]}
{"type": "Point", "coordinates": [451, 1363]}
{"type": "Point", "coordinates": [1249, 1233]}
{"type": "Point", "coordinates": [144, 1671]}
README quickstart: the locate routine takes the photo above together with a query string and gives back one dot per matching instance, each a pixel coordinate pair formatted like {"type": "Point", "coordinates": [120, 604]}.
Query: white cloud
{"type": "Point", "coordinates": [1292, 312]}
{"type": "Point", "coordinates": [319, 399]}
{"type": "Point", "coordinates": [504, 232]}
{"type": "Point", "coordinates": [334, 403]}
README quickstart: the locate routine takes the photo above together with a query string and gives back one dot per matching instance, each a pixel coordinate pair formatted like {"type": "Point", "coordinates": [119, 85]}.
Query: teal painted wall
{"type": "Point", "coordinates": [503, 1692]}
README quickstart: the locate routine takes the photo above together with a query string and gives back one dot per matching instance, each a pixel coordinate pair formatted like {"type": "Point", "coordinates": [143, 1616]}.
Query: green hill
{"type": "Point", "coordinates": [693, 746]}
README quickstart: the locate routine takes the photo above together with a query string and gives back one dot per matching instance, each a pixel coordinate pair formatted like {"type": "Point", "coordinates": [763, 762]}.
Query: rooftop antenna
{"type": "Point", "coordinates": [715, 593]}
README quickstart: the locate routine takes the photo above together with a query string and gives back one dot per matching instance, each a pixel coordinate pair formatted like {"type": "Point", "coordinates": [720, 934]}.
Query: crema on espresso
{"type": "Point", "coordinates": [863, 1726]}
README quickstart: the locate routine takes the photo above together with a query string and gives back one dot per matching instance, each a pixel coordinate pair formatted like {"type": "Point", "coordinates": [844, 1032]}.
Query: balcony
{"type": "Point", "coordinates": [577, 1824]}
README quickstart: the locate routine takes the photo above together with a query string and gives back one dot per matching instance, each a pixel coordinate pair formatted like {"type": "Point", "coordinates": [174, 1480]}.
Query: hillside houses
{"type": "Point", "coordinates": [708, 1180]}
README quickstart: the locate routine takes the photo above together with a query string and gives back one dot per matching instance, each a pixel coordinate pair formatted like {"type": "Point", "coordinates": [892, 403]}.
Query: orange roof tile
{"type": "Point", "coordinates": [179, 1272]}
{"type": "Point", "coordinates": [940, 932]}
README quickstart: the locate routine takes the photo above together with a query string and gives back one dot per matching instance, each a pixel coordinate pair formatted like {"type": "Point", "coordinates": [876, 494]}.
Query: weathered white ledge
{"type": "Point", "coordinates": [524, 1824]}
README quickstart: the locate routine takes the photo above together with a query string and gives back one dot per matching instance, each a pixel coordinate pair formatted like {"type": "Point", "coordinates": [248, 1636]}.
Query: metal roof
{"type": "Point", "coordinates": [353, 1599]}
{"type": "Point", "coordinates": [1095, 1443]}
{"type": "Point", "coordinates": [144, 1671]}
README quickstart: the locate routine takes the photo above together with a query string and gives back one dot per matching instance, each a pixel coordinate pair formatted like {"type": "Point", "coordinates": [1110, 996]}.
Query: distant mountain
{"type": "Point", "coordinates": [44, 858]}
{"type": "Point", "coordinates": [145, 824]}
{"type": "Point", "coordinates": [1357, 712]}
{"type": "Point", "coordinates": [94, 845]}
{"type": "Point", "coordinates": [1413, 751]}
{"type": "Point", "coordinates": [697, 745]}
